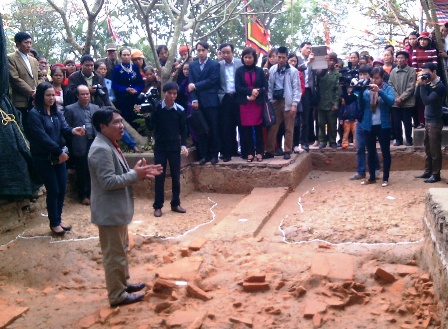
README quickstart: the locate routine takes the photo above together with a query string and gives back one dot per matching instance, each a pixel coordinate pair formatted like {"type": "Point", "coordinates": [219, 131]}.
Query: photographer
{"type": "Point", "coordinates": [97, 88]}
{"type": "Point", "coordinates": [169, 122]}
{"type": "Point", "coordinates": [433, 93]}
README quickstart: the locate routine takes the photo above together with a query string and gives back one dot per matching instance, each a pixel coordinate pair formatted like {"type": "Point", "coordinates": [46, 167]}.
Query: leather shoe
{"type": "Point", "coordinates": [268, 155]}
{"type": "Point", "coordinates": [433, 179]}
{"type": "Point", "coordinates": [67, 228]}
{"type": "Point", "coordinates": [157, 212]}
{"type": "Point", "coordinates": [226, 159]}
{"type": "Point", "coordinates": [203, 161]}
{"type": "Point", "coordinates": [424, 175]}
{"type": "Point", "coordinates": [287, 156]}
{"type": "Point", "coordinates": [134, 287]}
{"type": "Point", "coordinates": [60, 233]}
{"type": "Point", "coordinates": [131, 298]}
{"type": "Point", "coordinates": [214, 160]}
{"type": "Point", "coordinates": [178, 209]}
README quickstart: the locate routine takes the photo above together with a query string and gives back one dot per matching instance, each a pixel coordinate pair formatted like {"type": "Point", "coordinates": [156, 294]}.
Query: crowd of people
{"type": "Point", "coordinates": [230, 107]}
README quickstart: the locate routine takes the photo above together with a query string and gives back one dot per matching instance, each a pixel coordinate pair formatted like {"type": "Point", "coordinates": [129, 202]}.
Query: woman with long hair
{"type": "Point", "coordinates": [57, 74]}
{"type": "Point", "coordinates": [251, 87]}
{"type": "Point", "coordinates": [378, 101]}
{"type": "Point", "coordinates": [127, 83]}
{"type": "Point", "coordinates": [46, 127]}
{"type": "Point", "coordinates": [138, 59]}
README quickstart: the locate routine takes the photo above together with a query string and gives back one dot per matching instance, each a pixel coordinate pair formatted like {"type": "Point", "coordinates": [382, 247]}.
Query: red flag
{"type": "Point", "coordinates": [257, 36]}
{"type": "Point", "coordinates": [112, 31]}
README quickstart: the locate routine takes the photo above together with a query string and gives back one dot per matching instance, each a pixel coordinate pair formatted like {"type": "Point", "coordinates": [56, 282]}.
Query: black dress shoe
{"type": "Point", "coordinates": [214, 160]}
{"type": "Point", "coordinates": [67, 228]}
{"type": "Point", "coordinates": [135, 287]}
{"type": "Point", "coordinates": [287, 156]}
{"type": "Point", "coordinates": [60, 233]}
{"type": "Point", "coordinates": [424, 175]}
{"type": "Point", "coordinates": [178, 209]}
{"type": "Point", "coordinates": [226, 159]}
{"type": "Point", "coordinates": [268, 155]}
{"type": "Point", "coordinates": [433, 179]}
{"type": "Point", "coordinates": [203, 161]}
{"type": "Point", "coordinates": [131, 298]}
{"type": "Point", "coordinates": [157, 212]}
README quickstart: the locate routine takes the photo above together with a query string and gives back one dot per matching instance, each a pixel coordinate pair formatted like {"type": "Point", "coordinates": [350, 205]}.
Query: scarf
{"type": "Point", "coordinates": [374, 99]}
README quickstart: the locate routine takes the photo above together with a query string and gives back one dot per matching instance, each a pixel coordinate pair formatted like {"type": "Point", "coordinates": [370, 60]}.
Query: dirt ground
{"type": "Point", "coordinates": [61, 280]}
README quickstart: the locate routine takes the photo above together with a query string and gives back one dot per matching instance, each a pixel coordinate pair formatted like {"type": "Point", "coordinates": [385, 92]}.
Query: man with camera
{"type": "Point", "coordinates": [97, 88]}
{"type": "Point", "coordinates": [80, 114]}
{"type": "Point", "coordinates": [433, 93]}
{"type": "Point", "coordinates": [169, 122]}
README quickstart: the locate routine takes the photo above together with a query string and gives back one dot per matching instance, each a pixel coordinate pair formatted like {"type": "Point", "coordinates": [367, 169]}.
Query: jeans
{"type": "Point", "coordinates": [383, 135]}
{"type": "Point", "coordinates": [162, 157]}
{"type": "Point", "coordinates": [55, 181]}
{"type": "Point", "coordinates": [361, 151]}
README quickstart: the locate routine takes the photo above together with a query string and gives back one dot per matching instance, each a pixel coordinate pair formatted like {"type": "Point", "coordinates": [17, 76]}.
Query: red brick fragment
{"type": "Point", "coordinates": [197, 292]}
{"type": "Point", "coordinates": [384, 275]}
{"type": "Point", "coordinates": [255, 286]}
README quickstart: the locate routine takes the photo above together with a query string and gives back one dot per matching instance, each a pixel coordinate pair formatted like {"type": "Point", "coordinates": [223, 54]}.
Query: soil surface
{"type": "Point", "coordinates": [351, 229]}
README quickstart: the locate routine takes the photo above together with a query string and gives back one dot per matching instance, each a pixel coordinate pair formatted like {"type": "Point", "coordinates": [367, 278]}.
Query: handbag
{"type": "Point", "coordinates": [197, 122]}
{"type": "Point", "coordinates": [268, 113]}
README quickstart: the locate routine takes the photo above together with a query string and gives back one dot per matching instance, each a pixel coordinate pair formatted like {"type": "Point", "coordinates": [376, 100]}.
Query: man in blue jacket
{"type": "Point", "coordinates": [204, 83]}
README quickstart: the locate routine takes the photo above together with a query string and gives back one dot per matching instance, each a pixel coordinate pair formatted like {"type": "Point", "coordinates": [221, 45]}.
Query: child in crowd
{"type": "Point", "coordinates": [347, 115]}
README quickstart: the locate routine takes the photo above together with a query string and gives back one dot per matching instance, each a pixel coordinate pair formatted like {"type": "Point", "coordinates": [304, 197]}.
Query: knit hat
{"type": "Point", "coordinates": [378, 61]}
{"type": "Point", "coordinates": [135, 53]}
{"type": "Point", "coordinates": [184, 48]}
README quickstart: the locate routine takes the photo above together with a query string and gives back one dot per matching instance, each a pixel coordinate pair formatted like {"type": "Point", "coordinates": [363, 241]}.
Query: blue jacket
{"type": "Point", "coordinates": [387, 99]}
{"type": "Point", "coordinates": [206, 82]}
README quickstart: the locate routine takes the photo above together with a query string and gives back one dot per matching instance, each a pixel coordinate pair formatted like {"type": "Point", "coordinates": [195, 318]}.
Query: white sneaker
{"type": "Point", "coordinates": [316, 144]}
{"type": "Point", "coordinates": [297, 149]}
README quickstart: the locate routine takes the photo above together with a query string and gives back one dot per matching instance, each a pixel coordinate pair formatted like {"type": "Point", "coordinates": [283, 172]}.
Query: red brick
{"type": "Point", "coordinates": [161, 285]}
{"type": "Point", "coordinates": [185, 252]}
{"type": "Point", "coordinates": [255, 286]}
{"type": "Point", "coordinates": [335, 303]}
{"type": "Point", "coordinates": [384, 275]}
{"type": "Point", "coordinates": [255, 278]}
{"type": "Point", "coordinates": [313, 307]}
{"type": "Point", "coordinates": [11, 313]}
{"type": "Point", "coordinates": [245, 321]}
{"type": "Point", "coordinates": [197, 244]}
{"type": "Point", "coordinates": [280, 285]}
{"type": "Point", "coordinates": [197, 292]}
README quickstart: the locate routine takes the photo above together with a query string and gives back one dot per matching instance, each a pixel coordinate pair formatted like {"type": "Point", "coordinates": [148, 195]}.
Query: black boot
{"type": "Point", "coordinates": [433, 179]}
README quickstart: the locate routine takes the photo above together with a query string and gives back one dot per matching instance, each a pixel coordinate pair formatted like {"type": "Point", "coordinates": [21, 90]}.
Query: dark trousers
{"type": "Point", "coordinates": [55, 181]}
{"type": "Point", "coordinates": [383, 135]}
{"type": "Point", "coordinates": [402, 114]}
{"type": "Point", "coordinates": [24, 112]}
{"type": "Point", "coordinates": [82, 176]}
{"type": "Point", "coordinates": [173, 158]}
{"type": "Point", "coordinates": [433, 147]}
{"type": "Point", "coordinates": [209, 143]}
{"type": "Point", "coordinates": [329, 118]}
{"type": "Point", "coordinates": [307, 122]}
{"type": "Point", "coordinates": [247, 139]}
{"type": "Point", "coordinates": [229, 120]}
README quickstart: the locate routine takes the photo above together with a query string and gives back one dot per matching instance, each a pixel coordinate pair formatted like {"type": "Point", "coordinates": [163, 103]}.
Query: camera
{"type": "Point", "coordinates": [99, 89]}
{"type": "Point", "coordinates": [425, 76]}
{"type": "Point", "coordinates": [347, 75]}
{"type": "Point", "coordinates": [149, 100]}
{"type": "Point", "coordinates": [361, 84]}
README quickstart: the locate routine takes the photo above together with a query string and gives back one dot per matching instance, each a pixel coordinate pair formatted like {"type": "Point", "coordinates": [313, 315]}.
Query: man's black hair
{"type": "Point", "coordinates": [203, 44]}
{"type": "Point", "coordinates": [282, 50]}
{"type": "Point", "coordinates": [430, 66]}
{"type": "Point", "coordinates": [160, 48]}
{"type": "Point", "coordinates": [20, 36]}
{"type": "Point", "coordinates": [223, 45]}
{"type": "Point", "coordinates": [103, 116]}
{"type": "Point", "coordinates": [365, 69]}
{"type": "Point", "coordinates": [170, 85]}
{"type": "Point", "coordinates": [303, 44]}
{"type": "Point", "coordinates": [86, 58]}
{"type": "Point", "coordinates": [356, 53]}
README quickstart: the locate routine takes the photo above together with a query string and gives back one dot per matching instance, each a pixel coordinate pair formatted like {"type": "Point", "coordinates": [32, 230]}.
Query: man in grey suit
{"type": "Point", "coordinates": [113, 202]}
{"type": "Point", "coordinates": [80, 114]}
{"type": "Point", "coordinates": [229, 112]}
{"type": "Point", "coordinates": [23, 74]}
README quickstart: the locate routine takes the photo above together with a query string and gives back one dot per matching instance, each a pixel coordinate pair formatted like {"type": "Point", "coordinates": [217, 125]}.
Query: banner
{"type": "Point", "coordinates": [112, 31]}
{"type": "Point", "coordinates": [441, 7]}
{"type": "Point", "coordinates": [257, 36]}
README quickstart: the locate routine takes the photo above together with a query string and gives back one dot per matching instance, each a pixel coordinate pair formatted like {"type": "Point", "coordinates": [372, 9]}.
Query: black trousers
{"type": "Point", "coordinates": [209, 143]}
{"type": "Point", "coordinates": [247, 140]}
{"type": "Point", "coordinates": [307, 122]}
{"type": "Point", "coordinates": [173, 158]}
{"type": "Point", "coordinates": [82, 176]}
{"type": "Point", "coordinates": [229, 117]}
{"type": "Point", "coordinates": [402, 114]}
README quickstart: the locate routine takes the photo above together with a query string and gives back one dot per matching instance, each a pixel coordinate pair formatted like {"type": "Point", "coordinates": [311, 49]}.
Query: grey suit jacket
{"type": "Point", "coordinates": [75, 117]}
{"type": "Point", "coordinates": [21, 81]}
{"type": "Point", "coordinates": [302, 66]}
{"type": "Point", "coordinates": [222, 76]}
{"type": "Point", "coordinates": [112, 199]}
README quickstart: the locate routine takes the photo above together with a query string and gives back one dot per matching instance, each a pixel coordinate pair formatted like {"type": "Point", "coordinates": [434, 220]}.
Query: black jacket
{"type": "Point", "coordinates": [77, 79]}
{"type": "Point", "coordinates": [241, 86]}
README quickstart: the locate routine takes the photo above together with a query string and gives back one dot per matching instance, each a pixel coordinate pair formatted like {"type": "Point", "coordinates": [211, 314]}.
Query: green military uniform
{"type": "Point", "coordinates": [329, 96]}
